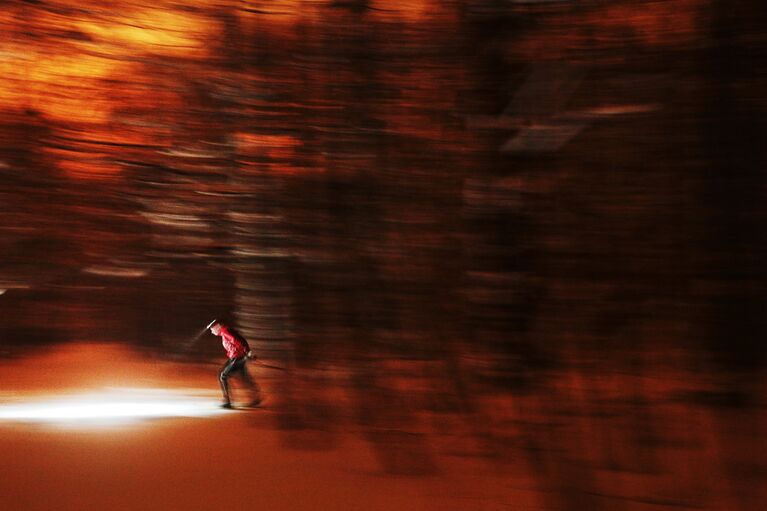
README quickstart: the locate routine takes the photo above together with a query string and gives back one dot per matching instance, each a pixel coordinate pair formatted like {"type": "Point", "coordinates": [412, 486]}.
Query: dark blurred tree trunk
{"type": "Point", "coordinates": [734, 132]}
{"type": "Point", "coordinates": [734, 196]}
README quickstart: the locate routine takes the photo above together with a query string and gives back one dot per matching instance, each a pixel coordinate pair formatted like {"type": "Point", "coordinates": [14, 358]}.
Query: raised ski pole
{"type": "Point", "coordinates": [194, 339]}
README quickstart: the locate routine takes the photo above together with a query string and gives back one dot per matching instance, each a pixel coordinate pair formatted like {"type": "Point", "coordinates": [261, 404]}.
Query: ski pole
{"type": "Point", "coordinates": [194, 339]}
{"type": "Point", "coordinates": [269, 366]}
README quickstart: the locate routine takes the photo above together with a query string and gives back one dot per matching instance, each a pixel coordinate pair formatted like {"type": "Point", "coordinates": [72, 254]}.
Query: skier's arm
{"type": "Point", "coordinates": [248, 352]}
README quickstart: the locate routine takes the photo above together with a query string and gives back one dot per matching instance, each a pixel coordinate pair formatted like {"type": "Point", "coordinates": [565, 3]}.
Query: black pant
{"type": "Point", "coordinates": [237, 366]}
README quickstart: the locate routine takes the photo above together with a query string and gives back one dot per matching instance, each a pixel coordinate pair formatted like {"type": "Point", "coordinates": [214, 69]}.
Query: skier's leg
{"type": "Point", "coordinates": [255, 389]}
{"type": "Point", "coordinates": [223, 379]}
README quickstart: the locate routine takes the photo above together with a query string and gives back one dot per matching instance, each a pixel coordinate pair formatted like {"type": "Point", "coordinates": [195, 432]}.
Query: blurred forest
{"type": "Point", "coordinates": [530, 231]}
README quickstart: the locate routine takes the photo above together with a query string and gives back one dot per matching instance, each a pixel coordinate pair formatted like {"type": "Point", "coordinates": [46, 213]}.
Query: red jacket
{"type": "Point", "coordinates": [234, 344]}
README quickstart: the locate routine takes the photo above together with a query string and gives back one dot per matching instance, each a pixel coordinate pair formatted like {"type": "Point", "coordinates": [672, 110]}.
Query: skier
{"type": "Point", "coordinates": [238, 353]}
